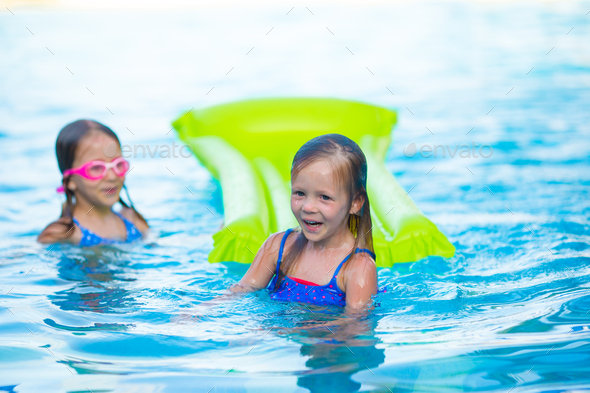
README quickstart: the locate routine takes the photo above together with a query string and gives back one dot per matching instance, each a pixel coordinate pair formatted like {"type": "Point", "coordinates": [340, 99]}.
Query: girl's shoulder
{"type": "Point", "coordinates": [61, 230]}
{"type": "Point", "coordinates": [363, 260]}
{"type": "Point", "coordinates": [130, 214]}
{"type": "Point", "coordinates": [364, 254]}
{"type": "Point", "coordinates": [361, 266]}
{"type": "Point", "coordinates": [272, 245]}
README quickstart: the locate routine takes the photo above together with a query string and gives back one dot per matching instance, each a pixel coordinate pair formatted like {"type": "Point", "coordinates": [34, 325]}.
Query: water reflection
{"type": "Point", "coordinates": [99, 272]}
{"type": "Point", "coordinates": [337, 347]}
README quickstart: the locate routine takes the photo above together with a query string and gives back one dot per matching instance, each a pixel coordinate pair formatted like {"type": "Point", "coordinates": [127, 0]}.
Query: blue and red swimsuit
{"type": "Point", "coordinates": [298, 290]}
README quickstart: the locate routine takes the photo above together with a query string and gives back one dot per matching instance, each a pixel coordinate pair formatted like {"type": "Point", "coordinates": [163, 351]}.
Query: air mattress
{"type": "Point", "coordinates": [248, 146]}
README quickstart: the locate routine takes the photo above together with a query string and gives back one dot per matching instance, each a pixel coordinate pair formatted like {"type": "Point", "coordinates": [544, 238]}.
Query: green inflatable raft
{"type": "Point", "coordinates": [248, 146]}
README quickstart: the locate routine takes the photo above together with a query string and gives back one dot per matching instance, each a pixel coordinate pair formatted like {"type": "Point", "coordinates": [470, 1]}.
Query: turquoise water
{"type": "Point", "coordinates": [509, 311]}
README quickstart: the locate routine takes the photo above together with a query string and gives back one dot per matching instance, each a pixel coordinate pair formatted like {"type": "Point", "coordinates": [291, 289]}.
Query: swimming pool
{"type": "Point", "coordinates": [509, 311]}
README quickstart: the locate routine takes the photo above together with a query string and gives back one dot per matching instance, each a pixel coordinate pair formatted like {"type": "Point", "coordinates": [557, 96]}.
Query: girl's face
{"type": "Point", "coordinates": [103, 192]}
{"type": "Point", "coordinates": [319, 203]}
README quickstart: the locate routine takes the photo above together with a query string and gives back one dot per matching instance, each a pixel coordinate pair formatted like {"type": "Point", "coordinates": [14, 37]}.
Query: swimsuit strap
{"type": "Point", "coordinates": [125, 221]}
{"type": "Point", "coordinates": [283, 241]}
{"type": "Point", "coordinates": [133, 232]}
{"type": "Point", "coordinates": [372, 254]}
{"type": "Point", "coordinates": [83, 229]}
{"type": "Point", "coordinates": [349, 255]}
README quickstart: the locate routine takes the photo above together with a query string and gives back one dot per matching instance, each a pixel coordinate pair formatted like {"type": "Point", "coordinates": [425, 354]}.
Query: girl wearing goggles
{"type": "Point", "coordinates": [92, 181]}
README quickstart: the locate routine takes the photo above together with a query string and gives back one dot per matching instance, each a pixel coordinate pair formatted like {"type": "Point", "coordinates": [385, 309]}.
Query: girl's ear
{"type": "Point", "coordinates": [357, 205]}
{"type": "Point", "coordinates": [71, 185]}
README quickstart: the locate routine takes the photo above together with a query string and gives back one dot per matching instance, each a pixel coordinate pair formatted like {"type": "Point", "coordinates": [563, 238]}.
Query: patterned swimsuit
{"type": "Point", "coordinates": [298, 290]}
{"type": "Point", "coordinates": [90, 238]}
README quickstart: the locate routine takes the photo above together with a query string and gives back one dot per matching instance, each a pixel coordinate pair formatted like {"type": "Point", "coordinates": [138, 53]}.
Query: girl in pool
{"type": "Point", "coordinates": [89, 157]}
{"type": "Point", "coordinates": [329, 259]}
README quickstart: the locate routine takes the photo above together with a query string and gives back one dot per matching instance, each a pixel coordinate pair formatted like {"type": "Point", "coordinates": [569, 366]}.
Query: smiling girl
{"type": "Point", "coordinates": [89, 157]}
{"type": "Point", "coordinates": [329, 259]}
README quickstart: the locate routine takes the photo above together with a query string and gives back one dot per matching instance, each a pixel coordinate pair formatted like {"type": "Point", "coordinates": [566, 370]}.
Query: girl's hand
{"type": "Point", "coordinates": [196, 313]}
{"type": "Point", "coordinates": [183, 319]}
{"type": "Point", "coordinates": [58, 231]}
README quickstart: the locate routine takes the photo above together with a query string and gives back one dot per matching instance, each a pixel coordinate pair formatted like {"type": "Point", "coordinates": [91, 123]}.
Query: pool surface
{"type": "Point", "coordinates": [509, 313]}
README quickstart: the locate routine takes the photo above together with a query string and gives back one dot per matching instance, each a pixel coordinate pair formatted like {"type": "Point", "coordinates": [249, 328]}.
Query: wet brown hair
{"type": "Point", "coordinates": [65, 148]}
{"type": "Point", "coordinates": [350, 168]}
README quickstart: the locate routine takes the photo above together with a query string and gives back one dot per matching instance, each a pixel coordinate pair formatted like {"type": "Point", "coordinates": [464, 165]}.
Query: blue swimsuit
{"type": "Point", "coordinates": [297, 290]}
{"type": "Point", "coordinates": [90, 238]}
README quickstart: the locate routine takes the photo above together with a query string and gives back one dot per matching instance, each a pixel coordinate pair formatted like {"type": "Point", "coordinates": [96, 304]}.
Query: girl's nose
{"type": "Point", "coordinates": [309, 206]}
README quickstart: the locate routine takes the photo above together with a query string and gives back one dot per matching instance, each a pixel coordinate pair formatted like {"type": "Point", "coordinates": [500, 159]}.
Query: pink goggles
{"type": "Point", "coordinates": [95, 170]}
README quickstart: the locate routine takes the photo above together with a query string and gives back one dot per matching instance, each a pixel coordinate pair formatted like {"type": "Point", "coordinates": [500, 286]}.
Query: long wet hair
{"type": "Point", "coordinates": [350, 169]}
{"type": "Point", "coordinates": [65, 148]}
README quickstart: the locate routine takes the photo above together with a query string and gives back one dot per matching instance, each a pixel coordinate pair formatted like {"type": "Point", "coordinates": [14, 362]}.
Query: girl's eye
{"type": "Point", "coordinates": [95, 170]}
{"type": "Point", "coordinates": [299, 193]}
{"type": "Point", "coordinates": [122, 167]}
{"type": "Point", "coordinates": [325, 198]}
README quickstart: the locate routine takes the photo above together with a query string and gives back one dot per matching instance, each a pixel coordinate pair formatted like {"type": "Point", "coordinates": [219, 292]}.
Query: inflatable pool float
{"type": "Point", "coordinates": [248, 146]}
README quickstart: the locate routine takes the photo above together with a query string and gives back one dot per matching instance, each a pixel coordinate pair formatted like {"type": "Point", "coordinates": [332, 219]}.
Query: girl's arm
{"type": "Point", "coordinates": [263, 268]}
{"type": "Point", "coordinates": [257, 277]}
{"type": "Point", "coordinates": [58, 231]}
{"type": "Point", "coordinates": [361, 283]}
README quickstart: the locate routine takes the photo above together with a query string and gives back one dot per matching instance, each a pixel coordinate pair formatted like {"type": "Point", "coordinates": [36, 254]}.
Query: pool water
{"type": "Point", "coordinates": [508, 313]}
